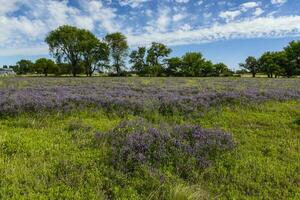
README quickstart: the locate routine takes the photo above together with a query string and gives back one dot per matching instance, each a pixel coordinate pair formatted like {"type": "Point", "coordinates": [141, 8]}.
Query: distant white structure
{"type": "Point", "coordinates": [6, 72]}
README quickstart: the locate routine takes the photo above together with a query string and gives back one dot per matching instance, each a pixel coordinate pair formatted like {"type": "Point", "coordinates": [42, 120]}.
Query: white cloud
{"type": "Point", "coordinates": [149, 12]}
{"type": "Point", "coordinates": [19, 32]}
{"type": "Point", "coordinates": [249, 5]}
{"type": "Point", "coordinates": [199, 3]}
{"type": "Point", "coordinates": [178, 17]}
{"type": "Point", "coordinates": [24, 34]}
{"type": "Point", "coordinates": [243, 8]}
{"type": "Point", "coordinates": [258, 12]}
{"type": "Point", "coordinates": [8, 6]}
{"type": "Point", "coordinates": [278, 2]}
{"type": "Point", "coordinates": [163, 20]}
{"type": "Point", "coordinates": [182, 1]}
{"type": "Point", "coordinates": [230, 15]}
{"type": "Point", "coordinates": [103, 15]}
{"type": "Point", "coordinates": [264, 27]}
{"type": "Point", "coordinates": [132, 3]}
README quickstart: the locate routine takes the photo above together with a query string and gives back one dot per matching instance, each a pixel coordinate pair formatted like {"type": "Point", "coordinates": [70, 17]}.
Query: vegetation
{"type": "Point", "coordinates": [118, 50]}
{"type": "Point", "coordinates": [79, 51]}
{"type": "Point", "coordinates": [44, 66]}
{"type": "Point", "coordinates": [143, 138]}
{"type": "Point", "coordinates": [274, 64]}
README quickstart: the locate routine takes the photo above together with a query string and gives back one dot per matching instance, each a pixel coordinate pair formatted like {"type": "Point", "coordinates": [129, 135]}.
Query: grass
{"type": "Point", "coordinates": [51, 156]}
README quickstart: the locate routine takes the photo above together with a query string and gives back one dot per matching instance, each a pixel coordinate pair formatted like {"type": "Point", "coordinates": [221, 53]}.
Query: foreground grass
{"type": "Point", "coordinates": [52, 156]}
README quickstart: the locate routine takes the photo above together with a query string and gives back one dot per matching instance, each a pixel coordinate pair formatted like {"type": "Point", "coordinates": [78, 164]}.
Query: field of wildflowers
{"type": "Point", "coordinates": [149, 138]}
{"type": "Point", "coordinates": [165, 95]}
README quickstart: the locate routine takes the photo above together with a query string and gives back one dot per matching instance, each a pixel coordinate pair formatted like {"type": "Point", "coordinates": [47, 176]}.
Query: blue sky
{"type": "Point", "coordinates": [223, 30]}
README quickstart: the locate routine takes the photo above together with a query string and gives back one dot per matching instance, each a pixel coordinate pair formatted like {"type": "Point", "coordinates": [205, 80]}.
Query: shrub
{"type": "Point", "coordinates": [181, 149]}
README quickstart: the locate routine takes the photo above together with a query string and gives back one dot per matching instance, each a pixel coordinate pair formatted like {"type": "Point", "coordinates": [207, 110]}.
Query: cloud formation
{"type": "Point", "coordinates": [25, 23]}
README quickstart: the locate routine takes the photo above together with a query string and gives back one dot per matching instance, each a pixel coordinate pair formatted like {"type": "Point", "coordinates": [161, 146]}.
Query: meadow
{"type": "Point", "coordinates": [149, 138]}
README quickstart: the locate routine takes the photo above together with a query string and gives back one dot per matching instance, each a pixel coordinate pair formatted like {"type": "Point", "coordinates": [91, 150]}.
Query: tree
{"type": "Point", "coordinates": [93, 52]}
{"type": "Point", "coordinates": [23, 67]}
{"type": "Point", "coordinates": [156, 53]}
{"type": "Point", "coordinates": [64, 44]}
{"type": "Point", "coordinates": [192, 64]}
{"type": "Point", "coordinates": [293, 55]}
{"type": "Point", "coordinates": [174, 65]}
{"type": "Point", "coordinates": [137, 59]}
{"type": "Point", "coordinates": [251, 64]}
{"type": "Point", "coordinates": [220, 68]}
{"type": "Point", "coordinates": [207, 69]}
{"type": "Point", "coordinates": [273, 63]}
{"type": "Point", "coordinates": [118, 47]}
{"type": "Point", "coordinates": [44, 66]}
{"type": "Point", "coordinates": [63, 68]}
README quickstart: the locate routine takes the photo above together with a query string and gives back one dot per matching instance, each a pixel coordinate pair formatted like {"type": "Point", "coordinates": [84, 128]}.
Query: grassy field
{"type": "Point", "coordinates": [50, 152]}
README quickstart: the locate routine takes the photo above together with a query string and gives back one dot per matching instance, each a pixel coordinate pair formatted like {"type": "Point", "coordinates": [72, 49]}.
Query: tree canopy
{"type": "Point", "coordinates": [65, 45]}
{"type": "Point", "coordinates": [79, 51]}
{"type": "Point", "coordinates": [117, 43]}
{"type": "Point", "coordinates": [44, 66]}
{"type": "Point", "coordinates": [251, 64]}
{"type": "Point", "coordinates": [93, 51]}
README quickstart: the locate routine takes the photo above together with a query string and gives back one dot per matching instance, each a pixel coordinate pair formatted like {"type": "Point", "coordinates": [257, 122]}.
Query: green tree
{"type": "Point", "coordinates": [273, 63]}
{"type": "Point", "coordinates": [65, 45]}
{"type": "Point", "coordinates": [207, 69]}
{"type": "Point", "coordinates": [93, 51]}
{"type": "Point", "coordinates": [118, 47]}
{"type": "Point", "coordinates": [44, 66]}
{"type": "Point", "coordinates": [192, 64]}
{"type": "Point", "coordinates": [251, 64]}
{"type": "Point", "coordinates": [220, 68]}
{"type": "Point", "coordinates": [293, 56]}
{"type": "Point", "coordinates": [137, 59]}
{"type": "Point", "coordinates": [23, 67]}
{"type": "Point", "coordinates": [155, 54]}
{"type": "Point", "coordinates": [174, 65]}
{"type": "Point", "coordinates": [63, 68]}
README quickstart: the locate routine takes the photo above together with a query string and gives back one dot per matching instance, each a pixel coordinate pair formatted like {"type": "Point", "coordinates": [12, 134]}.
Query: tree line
{"type": "Point", "coordinates": [277, 63]}
{"type": "Point", "coordinates": [79, 51]}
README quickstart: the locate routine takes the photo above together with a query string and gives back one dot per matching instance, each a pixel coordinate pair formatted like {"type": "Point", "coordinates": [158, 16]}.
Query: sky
{"type": "Point", "coordinates": [223, 30]}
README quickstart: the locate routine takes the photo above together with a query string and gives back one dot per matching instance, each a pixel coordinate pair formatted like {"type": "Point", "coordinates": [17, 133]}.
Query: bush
{"type": "Point", "coordinates": [182, 150]}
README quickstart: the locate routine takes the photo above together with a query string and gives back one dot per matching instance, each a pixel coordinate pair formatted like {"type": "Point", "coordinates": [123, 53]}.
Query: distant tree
{"type": "Point", "coordinates": [23, 67]}
{"type": "Point", "coordinates": [63, 68]}
{"type": "Point", "coordinates": [273, 63]}
{"type": "Point", "coordinates": [293, 56]}
{"type": "Point", "coordinates": [64, 44]}
{"type": "Point", "coordinates": [44, 66]}
{"type": "Point", "coordinates": [174, 65]}
{"type": "Point", "coordinates": [207, 69]}
{"type": "Point", "coordinates": [220, 68]}
{"type": "Point", "coordinates": [137, 59]}
{"type": "Point", "coordinates": [5, 67]}
{"type": "Point", "coordinates": [93, 51]}
{"type": "Point", "coordinates": [156, 53]}
{"type": "Point", "coordinates": [251, 64]}
{"type": "Point", "coordinates": [118, 47]}
{"type": "Point", "coordinates": [192, 64]}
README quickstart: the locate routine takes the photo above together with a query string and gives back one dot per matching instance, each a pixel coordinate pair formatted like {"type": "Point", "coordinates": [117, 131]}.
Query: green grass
{"type": "Point", "coordinates": [52, 156]}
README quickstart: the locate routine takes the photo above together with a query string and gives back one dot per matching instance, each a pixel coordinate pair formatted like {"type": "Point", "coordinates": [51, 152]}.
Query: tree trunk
{"type": "Point", "coordinates": [253, 75]}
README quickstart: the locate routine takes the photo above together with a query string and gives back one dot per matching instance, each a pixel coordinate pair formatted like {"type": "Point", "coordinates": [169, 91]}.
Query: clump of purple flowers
{"type": "Point", "coordinates": [183, 149]}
